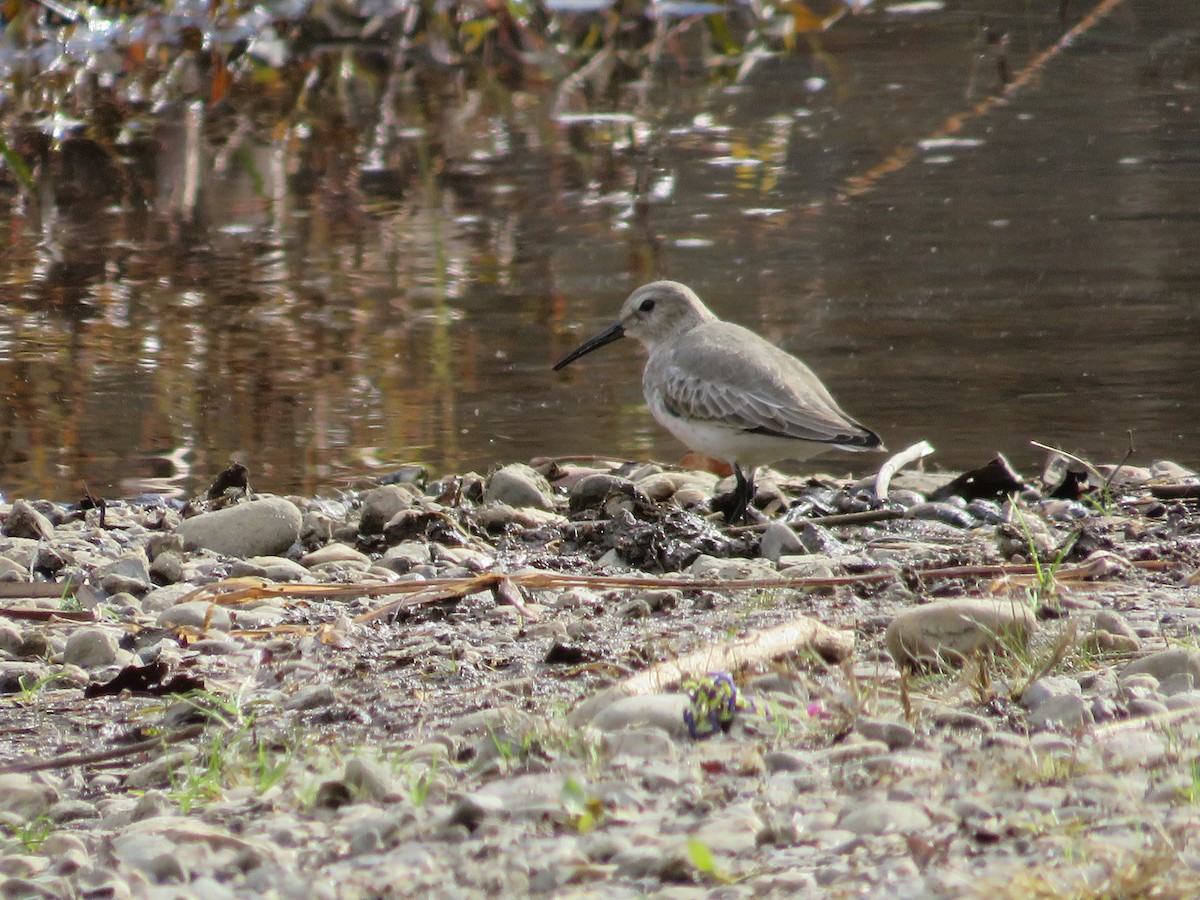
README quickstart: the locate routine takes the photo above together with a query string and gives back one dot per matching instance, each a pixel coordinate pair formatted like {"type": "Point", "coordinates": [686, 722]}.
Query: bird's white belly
{"type": "Point", "coordinates": [733, 445]}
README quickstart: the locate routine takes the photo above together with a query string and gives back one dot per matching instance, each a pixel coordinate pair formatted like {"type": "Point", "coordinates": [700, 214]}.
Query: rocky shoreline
{"type": "Point", "coordinates": [573, 680]}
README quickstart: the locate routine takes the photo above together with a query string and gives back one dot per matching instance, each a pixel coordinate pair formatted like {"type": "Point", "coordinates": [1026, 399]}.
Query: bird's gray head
{"type": "Point", "coordinates": [652, 313]}
{"type": "Point", "coordinates": [660, 309]}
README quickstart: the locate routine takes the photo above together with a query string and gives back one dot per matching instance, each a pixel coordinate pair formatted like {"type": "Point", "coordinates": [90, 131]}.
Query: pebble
{"type": "Point", "coordinates": [18, 675]}
{"type": "Point", "coordinates": [312, 696]}
{"type": "Point", "coordinates": [380, 505]}
{"type": "Point", "coordinates": [1184, 700]}
{"type": "Point", "coordinates": [369, 780]}
{"type": "Point", "coordinates": [12, 571]}
{"type": "Point", "coordinates": [591, 491]}
{"type": "Point", "coordinates": [946, 513]}
{"type": "Point", "coordinates": [263, 527]}
{"type": "Point", "coordinates": [165, 597]}
{"type": "Point", "coordinates": [155, 857]}
{"type": "Point", "coordinates": [1141, 707]}
{"type": "Point", "coordinates": [640, 744]}
{"type": "Point", "coordinates": [167, 568]}
{"type": "Point", "coordinates": [275, 568]}
{"type": "Point", "coordinates": [662, 711]}
{"type": "Point", "coordinates": [23, 521]}
{"type": "Point", "coordinates": [1062, 711]}
{"type": "Point", "coordinates": [946, 632]}
{"type": "Point", "coordinates": [896, 735]}
{"type": "Point", "coordinates": [1047, 688]}
{"type": "Point", "coordinates": [26, 797]}
{"type": "Point", "coordinates": [518, 485]}
{"type": "Point", "coordinates": [709, 567]}
{"type": "Point", "coordinates": [199, 614]}
{"type": "Point", "coordinates": [884, 816]}
{"type": "Point", "coordinates": [1127, 750]}
{"type": "Point", "coordinates": [819, 540]}
{"type": "Point", "coordinates": [334, 553]}
{"type": "Point", "coordinates": [157, 772]}
{"type": "Point", "coordinates": [1106, 642]}
{"type": "Point", "coordinates": [1164, 664]}
{"type": "Point", "coordinates": [91, 647]}
{"type": "Point", "coordinates": [779, 539]}
{"type": "Point", "coordinates": [10, 639]}
{"type": "Point", "coordinates": [129, 573]}
{"type": "Point", "coordinates": [473, 809]}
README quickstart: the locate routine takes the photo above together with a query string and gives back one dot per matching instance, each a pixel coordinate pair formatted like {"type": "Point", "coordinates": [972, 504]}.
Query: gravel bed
{"type": "Point", "coordinates": [431, 688]}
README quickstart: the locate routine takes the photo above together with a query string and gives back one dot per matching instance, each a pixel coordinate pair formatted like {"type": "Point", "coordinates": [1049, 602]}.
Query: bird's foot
{"type": "Point", "coordinates": [737, 506]}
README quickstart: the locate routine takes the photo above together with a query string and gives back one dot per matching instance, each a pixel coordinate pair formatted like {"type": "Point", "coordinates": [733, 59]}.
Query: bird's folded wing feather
{"type": "Point", "coordinates": [768, 392]}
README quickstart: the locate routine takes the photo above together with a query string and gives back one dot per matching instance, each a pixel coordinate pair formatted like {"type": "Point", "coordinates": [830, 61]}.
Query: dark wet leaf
{"type": "Point", "coordinates": [1073, 485]}
{"type": "Point", "coordinates": [149, 680]}
{"type": "Point", "coordinates": [236, 477]}
{"type": "Point", "coordinates": [567, 655]}
{"type": "Point", "coordinates": [995, 480]}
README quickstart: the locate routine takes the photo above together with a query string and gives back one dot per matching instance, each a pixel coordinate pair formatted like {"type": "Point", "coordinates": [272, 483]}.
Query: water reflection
{"type": "Point", "coordinates": [388, 277]}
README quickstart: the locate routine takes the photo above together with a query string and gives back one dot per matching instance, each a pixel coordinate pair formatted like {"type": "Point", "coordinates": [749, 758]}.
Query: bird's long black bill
{"type": "Point", "coordinates": [614, 333]}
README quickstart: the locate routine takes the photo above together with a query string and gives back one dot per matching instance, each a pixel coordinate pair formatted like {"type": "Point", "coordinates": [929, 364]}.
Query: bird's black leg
{"type": "Point", "coordinates": [743, 494]}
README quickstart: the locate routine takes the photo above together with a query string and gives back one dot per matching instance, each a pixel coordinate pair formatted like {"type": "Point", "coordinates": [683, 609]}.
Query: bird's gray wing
{"type": "Point", "coordinates": [744, 382]}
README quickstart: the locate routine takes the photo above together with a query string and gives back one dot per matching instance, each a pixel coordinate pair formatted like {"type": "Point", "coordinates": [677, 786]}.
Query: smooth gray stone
{"type": "Point", "coordinates": [818, 539]}
{"type": "Point", "coordinates": [195, 614]}
{"type": "Point", "coordinates": [947, 632]}
{"type": "Point", "coordinates": [1062, 711]}
{"type": "Point", "coordinates": [1113, 623]}
{"type": "Point", "coordinates": [276, 568]}
{"type": "Point", "coordinates": [265, 527]}
{"type": "Point", "coordinates": [25, 796]}
{"type": "Point", "coordinates": [91, 647]}
{"type": "Point", "coordinates": [129, 573]}
{"type": "Point", "coordinates": [312, 696]}
{"type": "Point", "coordinates": [380, 505]}
{"type": "Point", "coordinates": [519, 485]}
{"type": "Point", "coordinates": [1048, 687]}
{"type": "Point", "coordinates": [24, 521]}
{"type": "Point", "coordinates": [896, 735]}
{"type": "Point", "coordinates": [779, 539]}
{"type": "Point", "coordinates": [882, 817]}
{"type": "Point", "coordinates": [643, 744]}
{"type": "Point", "coordinates": [470, 811]}
{"type": "Point", "coordinates": [1165, 663]}
{"type": "Point", "coordinates": [663, 711]}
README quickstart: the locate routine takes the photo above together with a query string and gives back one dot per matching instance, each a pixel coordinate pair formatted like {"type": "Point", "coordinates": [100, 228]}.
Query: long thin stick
{"type": "Point", "coordinates": [86, 759]}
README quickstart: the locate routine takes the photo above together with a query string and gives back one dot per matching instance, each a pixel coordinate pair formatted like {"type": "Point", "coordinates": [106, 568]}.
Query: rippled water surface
{"type": "Point", "coordinates": [391, 281]}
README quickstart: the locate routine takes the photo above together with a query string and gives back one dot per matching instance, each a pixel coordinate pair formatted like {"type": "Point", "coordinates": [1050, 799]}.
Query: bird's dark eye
{"type": "Point", "coordinates": [646, 306]}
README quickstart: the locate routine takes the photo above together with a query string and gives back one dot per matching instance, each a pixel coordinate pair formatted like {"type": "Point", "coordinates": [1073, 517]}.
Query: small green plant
{"type": "Point", "coordinates": [30, 688]}
{"type": "Point", "coordinates": [30, 835]}
{"type": "Point", "coordinates": [504, 747]}
{"type": "Point", "coordinates": [584, 811]}
{"type": "Point", "coordinates": [702, 858]}
{"type": "Point", "coordinates": [269, 767]}
{"type": "Point", "coordinates": [420, 782]}
{"type": "Point", "coordinates": [205, 780]}
{"type": "Point", "coordinates": [1045, 584]}
{"type": "Point", "coordinates": [68, 600]}
{"type": "Point", "coordinates": [1191, 792]}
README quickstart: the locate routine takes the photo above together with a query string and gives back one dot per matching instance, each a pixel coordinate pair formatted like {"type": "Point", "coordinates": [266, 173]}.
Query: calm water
{"type": "Point", "coordinates": [1028, 270]}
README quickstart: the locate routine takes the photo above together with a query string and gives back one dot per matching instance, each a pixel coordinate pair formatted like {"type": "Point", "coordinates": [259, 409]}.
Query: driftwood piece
{"type": "Point", "coordinates": [896, 462]}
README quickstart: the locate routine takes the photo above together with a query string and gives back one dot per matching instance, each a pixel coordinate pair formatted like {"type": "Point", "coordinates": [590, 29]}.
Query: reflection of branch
{"type": "Point", "coordinates": [902, 154]}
